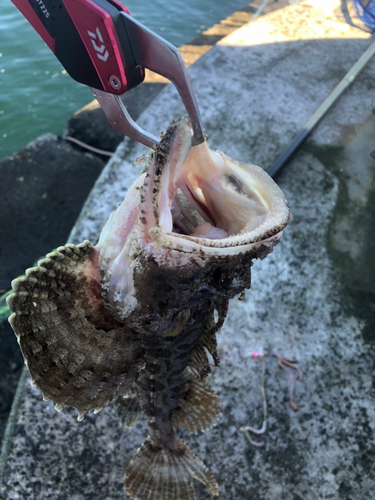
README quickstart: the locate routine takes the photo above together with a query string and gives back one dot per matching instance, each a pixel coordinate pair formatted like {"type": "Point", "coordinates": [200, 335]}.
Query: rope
{"type": "Point", "coordinates": [86, 146]}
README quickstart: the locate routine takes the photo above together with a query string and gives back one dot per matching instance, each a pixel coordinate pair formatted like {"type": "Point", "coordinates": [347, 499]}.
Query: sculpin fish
{"type": "Point", "coordinates": [131, 319]}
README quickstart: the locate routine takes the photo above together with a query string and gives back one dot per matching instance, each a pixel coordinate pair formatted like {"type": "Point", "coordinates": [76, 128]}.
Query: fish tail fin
{"type": "Point", "coordinates": [163, 474]}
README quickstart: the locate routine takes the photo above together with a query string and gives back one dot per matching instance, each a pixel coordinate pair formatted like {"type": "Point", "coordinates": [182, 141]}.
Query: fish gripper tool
{"type": "Point", "coordinates": [100, 45]}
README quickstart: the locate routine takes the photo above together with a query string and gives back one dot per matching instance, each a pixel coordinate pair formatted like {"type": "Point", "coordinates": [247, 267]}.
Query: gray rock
{"type": "Point", "coordinates": [255, 90]}
{"type": "Point", "coordinates": [39, 183]}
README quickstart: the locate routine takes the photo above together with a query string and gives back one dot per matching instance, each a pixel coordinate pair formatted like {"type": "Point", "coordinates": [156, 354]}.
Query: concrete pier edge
{"type": "Point", "coordinates": [11, 420]}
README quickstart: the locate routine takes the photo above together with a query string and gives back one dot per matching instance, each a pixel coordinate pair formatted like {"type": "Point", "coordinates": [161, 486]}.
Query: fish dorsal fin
{"type": "Point", "coordinates": [157, 473]}
{"type": "Point", "coordinates": [199, 409]}
{"type": "Point", "coordinates": [77, 354]}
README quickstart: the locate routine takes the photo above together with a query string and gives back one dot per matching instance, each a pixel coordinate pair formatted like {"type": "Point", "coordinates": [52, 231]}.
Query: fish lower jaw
{"type": "Point", "coordinates": [205, 246]}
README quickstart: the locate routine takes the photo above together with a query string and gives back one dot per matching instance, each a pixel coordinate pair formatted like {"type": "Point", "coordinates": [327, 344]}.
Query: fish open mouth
{"type": "Point", "coordinates": [190, 200]}
{"type": "Point", "coordinates": [202, 199]}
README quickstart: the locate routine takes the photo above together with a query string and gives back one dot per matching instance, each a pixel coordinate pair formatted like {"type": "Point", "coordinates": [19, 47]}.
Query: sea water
{"type": "Point", "coordinates": [38, 96]}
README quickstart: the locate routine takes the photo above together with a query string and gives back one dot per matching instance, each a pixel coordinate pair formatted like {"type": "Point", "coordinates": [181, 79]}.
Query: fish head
{"type": "Point", "coordinates": [187, 232]}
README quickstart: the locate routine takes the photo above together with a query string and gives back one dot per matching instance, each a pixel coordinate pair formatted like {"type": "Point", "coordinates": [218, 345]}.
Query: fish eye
{"type": "Point", "coordinates": [226, 283]}
{"type": "Point", "coordinates": [221, 279]}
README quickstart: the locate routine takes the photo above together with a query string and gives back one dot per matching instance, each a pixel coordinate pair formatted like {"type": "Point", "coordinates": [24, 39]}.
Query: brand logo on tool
{"type": "Point", "coordinates": [43, 8]}
{"type": "Point", "coordinates": [103, 56]}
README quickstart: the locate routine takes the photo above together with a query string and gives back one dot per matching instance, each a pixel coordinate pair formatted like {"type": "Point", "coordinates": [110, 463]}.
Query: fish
{"type": "Point", "coordinates": [133, 320]}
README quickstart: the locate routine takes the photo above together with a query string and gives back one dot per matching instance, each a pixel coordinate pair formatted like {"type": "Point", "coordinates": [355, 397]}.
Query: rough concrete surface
{"type": "Point", "coordinates": [254, 97]}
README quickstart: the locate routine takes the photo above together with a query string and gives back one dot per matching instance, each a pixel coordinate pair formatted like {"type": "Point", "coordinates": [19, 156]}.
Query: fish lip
{"type": "Point", "coordinates": [207, 247]}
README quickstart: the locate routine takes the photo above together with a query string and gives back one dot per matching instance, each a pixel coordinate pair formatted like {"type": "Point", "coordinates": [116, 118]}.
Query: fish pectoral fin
{"type": "Point", "coordinates": [128, 410]}
{"type": "Point", "coordinates": [199, 409]}
{"type": "Point", "coordinates": [77, 353]}
{"type": "Point", "coordinates": [166, 474]}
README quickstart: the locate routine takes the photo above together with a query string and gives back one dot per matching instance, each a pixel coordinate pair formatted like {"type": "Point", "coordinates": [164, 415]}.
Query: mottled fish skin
{"type": "Point", "coordinates": [131, 319]}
